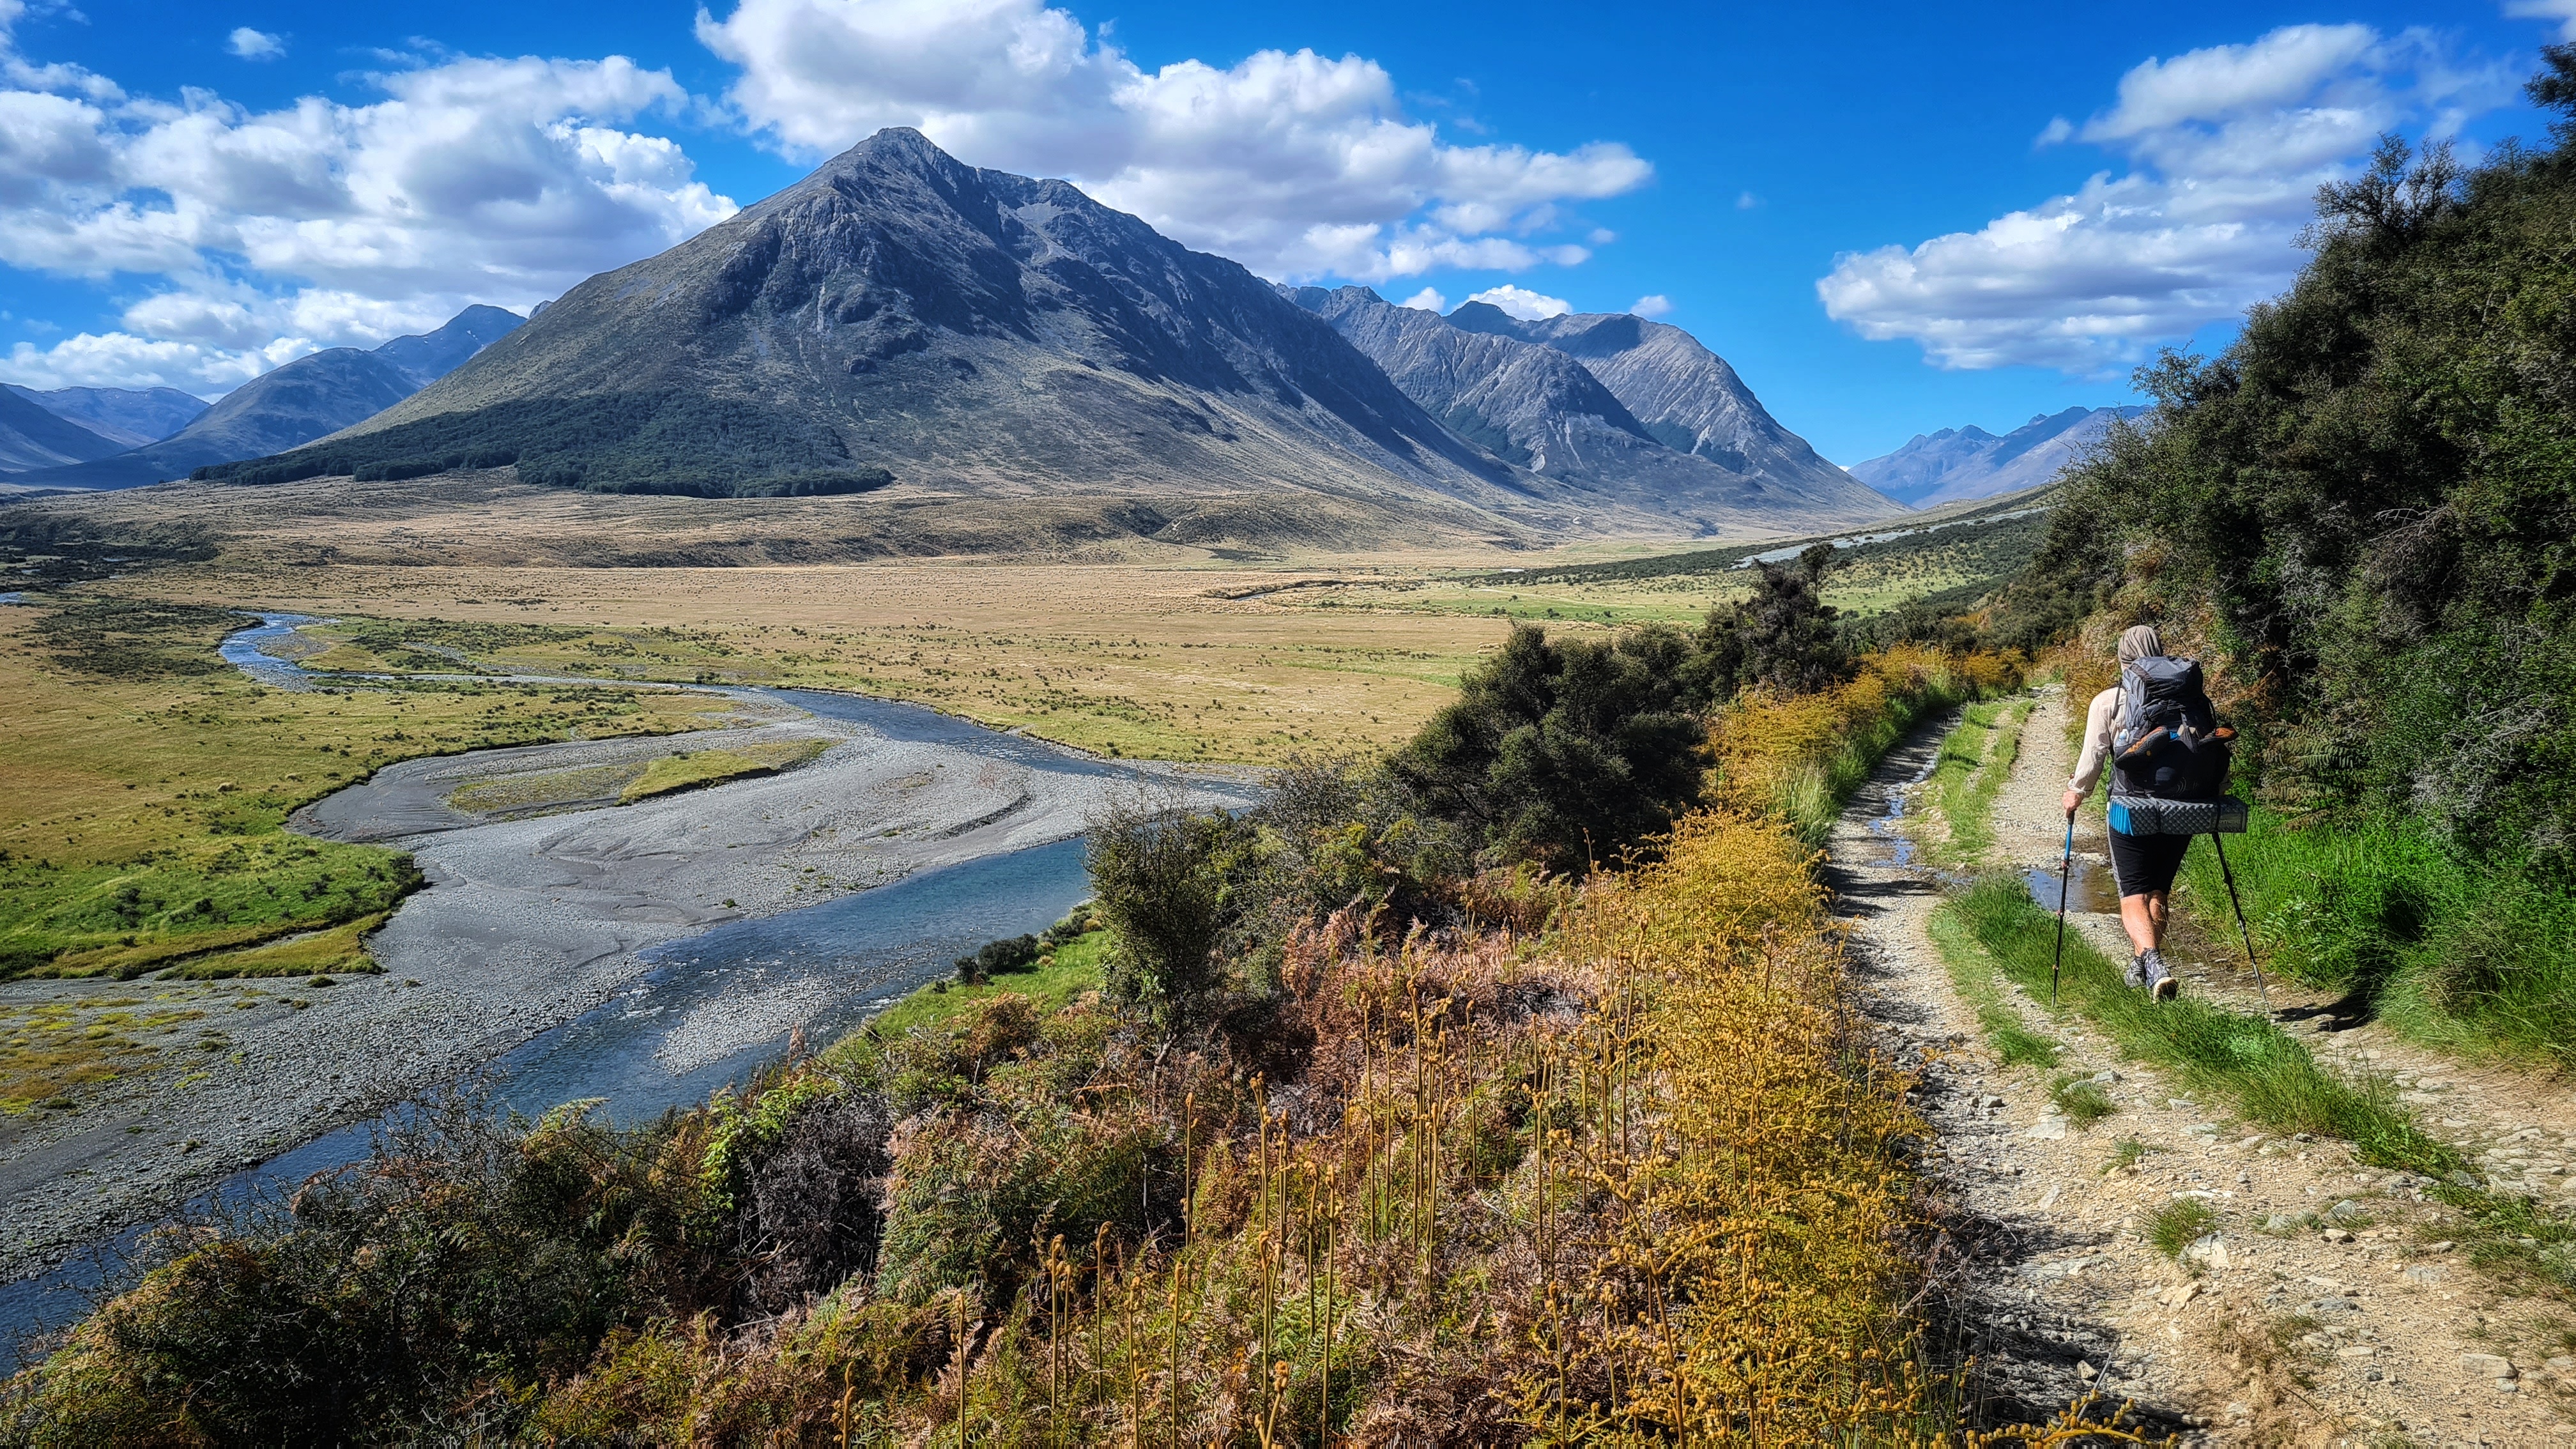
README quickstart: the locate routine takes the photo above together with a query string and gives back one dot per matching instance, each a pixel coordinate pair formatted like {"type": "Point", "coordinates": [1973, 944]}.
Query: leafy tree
{"type": "Point", "coordinates": [1564, 754]}
{"type": "Point", "coordinates": [1783, 636]}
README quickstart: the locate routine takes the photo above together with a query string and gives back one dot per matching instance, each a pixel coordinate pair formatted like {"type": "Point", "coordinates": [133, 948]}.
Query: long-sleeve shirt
{"type": "Point", "coordinates": [2098, 723]}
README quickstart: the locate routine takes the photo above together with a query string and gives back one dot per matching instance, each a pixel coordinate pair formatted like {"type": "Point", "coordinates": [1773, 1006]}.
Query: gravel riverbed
{"type": "Point", "coordinates": [525, 924]}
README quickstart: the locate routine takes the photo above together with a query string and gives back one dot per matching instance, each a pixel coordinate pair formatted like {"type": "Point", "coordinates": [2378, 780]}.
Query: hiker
{"type": "Point", "coordinates": [2144, 865]}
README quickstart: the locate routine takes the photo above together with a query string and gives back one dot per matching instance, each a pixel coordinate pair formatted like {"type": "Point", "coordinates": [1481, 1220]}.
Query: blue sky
{"type": "Point", "coordinates": [1890, 218]}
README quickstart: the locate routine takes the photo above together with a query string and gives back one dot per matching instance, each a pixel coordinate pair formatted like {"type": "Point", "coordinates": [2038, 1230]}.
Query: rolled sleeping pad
{"type": "Point", "coordinates": [2154, 815]}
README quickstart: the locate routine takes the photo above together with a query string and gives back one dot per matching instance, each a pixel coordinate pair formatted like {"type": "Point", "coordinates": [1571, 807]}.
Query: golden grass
{"type": "Point", "coordinates": [709, 767]}
{"type": "Point", "coordinates": [1800, 756]}
{"type": "Point", "coordinates": [1119, 659]}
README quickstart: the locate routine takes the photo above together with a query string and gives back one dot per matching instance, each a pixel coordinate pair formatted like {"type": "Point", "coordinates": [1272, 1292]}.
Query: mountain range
{"type": "Point", "coordinates": [1636, 411]}
{"type": "Point", "coordinates": [1962, 463]}
{"type": "Point", "coordinates": [288, 406]}
{"type": "Point", "coordinates": [900, 318]}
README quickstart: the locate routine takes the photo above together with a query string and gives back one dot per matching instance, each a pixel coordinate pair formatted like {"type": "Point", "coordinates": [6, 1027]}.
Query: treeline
{"type": "Point", "coordinates": [2362, 514]}
{"type": "Point", "coordinates": [1411, 1105]}
{"type": "Point", "coordinates": [670, 442]}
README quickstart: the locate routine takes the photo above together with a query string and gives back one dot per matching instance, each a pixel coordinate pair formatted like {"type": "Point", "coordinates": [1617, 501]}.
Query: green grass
{"type": "Point", "coordinates": [2230, 1055]}
{"type": "Point", "coordinates": [2179, 1224]}
{"type": "Point", "coordinates": [144, 784]}
{"type": "Point", "coordinates": [2082, 1100]}
{"type": "Point", "coordinates": [701, 768]}
{"type": "Point", "coordinates": [1976, 759]}
{"type": "Point", "coordinates": [1972, 971]}
{"type": "Point", "coordinates": [1076, 970]}
{"type": "Point", "coordinates": [2478, 961]}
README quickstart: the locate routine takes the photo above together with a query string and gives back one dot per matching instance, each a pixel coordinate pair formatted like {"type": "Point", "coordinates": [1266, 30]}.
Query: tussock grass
{"type": "Point", "coordinates": [2179, 1224]}
{"type": "Point", "coordinates": [2082, 1100]}
{"type": "Point", "coordinates": [2267, 1075]}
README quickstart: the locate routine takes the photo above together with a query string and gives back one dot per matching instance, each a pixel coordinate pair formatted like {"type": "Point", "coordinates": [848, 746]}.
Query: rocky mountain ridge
{"type": "Point", "coordinates": [1957, 464]}
{"type": "Point", "coordinates": [1543, 395]}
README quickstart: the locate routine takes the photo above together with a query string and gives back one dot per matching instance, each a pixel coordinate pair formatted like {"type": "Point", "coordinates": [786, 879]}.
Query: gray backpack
{"type": "Point", "coordinates": [2170, 755]}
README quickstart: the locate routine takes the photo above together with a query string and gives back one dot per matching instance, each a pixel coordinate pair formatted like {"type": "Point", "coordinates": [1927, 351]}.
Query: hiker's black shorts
{"type": "Point", "coordinates": [2145, 864]}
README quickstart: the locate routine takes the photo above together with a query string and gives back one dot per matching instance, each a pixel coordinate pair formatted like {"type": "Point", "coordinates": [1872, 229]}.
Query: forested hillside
{"type": "Point", "coordinates": [2363, 515]}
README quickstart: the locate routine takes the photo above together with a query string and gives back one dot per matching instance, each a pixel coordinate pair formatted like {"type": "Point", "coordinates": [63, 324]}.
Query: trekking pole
{"type": "Point", "coordinates": [2065, 876]}
{"type": "Point", "coordinates": [2230, 877]}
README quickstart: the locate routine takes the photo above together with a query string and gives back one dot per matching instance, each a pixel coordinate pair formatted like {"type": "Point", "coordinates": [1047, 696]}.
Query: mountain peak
{"type": "Point", "coordinates": [1968, 462]}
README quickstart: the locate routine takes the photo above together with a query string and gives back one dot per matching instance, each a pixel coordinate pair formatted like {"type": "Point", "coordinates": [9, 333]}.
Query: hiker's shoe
{"type": "Point", "coordinates": [2160, 983]}
{"type": "Point", "coordinates": [2136, 975]}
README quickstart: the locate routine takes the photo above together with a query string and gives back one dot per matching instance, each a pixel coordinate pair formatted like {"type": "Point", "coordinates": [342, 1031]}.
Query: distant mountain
{"type": "Point", "coordinates": [1528, 392]}
{"type": "Point", "coordinates": [900, 316]}
{"type": "Point", "coordinates": [1685, 396]}
{"type": "Point", "coordinates": [293, 404]}
{"type": "Point", "coordinates": [31, 436]}
{"type": "Point", "coordinates": [127, 417]}
{"type": "Point", "coordinates": [1961, 463]}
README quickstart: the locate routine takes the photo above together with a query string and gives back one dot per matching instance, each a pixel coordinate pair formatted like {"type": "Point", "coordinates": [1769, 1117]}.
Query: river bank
{"type": "Point", "coordinates": [529, 923]}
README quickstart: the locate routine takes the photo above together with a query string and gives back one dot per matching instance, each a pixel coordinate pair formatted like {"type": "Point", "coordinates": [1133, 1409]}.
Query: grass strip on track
{"type": "Point", "coordinates": [2271, 1078]}
{"type": "Point", "coordinates": [1972, 972]}
{"type": "Point", "coordinates": [1974, 763]}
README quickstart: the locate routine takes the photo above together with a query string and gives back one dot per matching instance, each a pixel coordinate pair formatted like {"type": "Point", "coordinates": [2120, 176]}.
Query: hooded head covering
{"type": "Point", "coordinates": [2139, 641]}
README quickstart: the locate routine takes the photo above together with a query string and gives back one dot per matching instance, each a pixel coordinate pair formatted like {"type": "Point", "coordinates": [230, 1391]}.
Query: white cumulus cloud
{"type": "Point", "coordinates": [1520, 302]}
{"type": "Point", "coordinates": [252, 44]}
{"type": "Point", "coordinates": [2562, 11]}
{"type": "Point", "coordinates": [2224, 147]}
{"type": "Point", "coordinates": [1426, 300]}
{"type": "Point", "coordinates": [261, 235]}
{"type": "Point", "coordinates": [1653, 304]}
{"type": "Point", "coordinates": [1296, 164]}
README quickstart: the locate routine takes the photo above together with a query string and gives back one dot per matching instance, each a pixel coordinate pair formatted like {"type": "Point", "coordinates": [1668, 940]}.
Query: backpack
{"type": "Point", "coordinates": [2168, 743]}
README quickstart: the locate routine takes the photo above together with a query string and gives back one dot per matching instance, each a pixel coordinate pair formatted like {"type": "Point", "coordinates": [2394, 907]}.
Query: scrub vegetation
{"type": "Point", "coordinates": [1430, 1099]}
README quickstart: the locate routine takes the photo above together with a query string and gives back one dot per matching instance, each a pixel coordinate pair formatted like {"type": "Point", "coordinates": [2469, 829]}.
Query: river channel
{"type": "Point", "coordinates": [707, 1007]}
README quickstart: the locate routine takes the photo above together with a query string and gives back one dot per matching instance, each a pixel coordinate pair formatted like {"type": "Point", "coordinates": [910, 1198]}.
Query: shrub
{"type": "Point", "coordinates": [1162, 876]}
{"type": "Point", "coordinates": [1566, 755]}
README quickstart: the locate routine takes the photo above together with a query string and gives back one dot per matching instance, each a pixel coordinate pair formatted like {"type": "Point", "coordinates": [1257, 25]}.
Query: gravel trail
{"type": "Point", "coordinates": [2268, 1332]}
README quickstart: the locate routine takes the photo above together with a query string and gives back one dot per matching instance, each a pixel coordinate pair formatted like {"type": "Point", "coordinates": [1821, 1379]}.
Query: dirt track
{"type": "Point", "coordinates": [2273, 1334]}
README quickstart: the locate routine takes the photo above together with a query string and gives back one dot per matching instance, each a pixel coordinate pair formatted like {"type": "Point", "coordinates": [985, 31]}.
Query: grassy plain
{"type": "Point", "coordinates": [1142, 662]}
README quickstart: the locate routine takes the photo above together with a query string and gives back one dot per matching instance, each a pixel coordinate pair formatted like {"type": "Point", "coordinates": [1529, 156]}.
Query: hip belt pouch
{"type": "Point", "coordinates": [2151, 815]}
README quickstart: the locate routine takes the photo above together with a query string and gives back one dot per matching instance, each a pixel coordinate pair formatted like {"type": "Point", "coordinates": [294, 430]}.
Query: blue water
{"type": "Point", "coordinates": [241, 651]}
{"type": "Point", "coordinates": [865, 949]}
{"type": "Point", "coordinates": [851, 957]}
